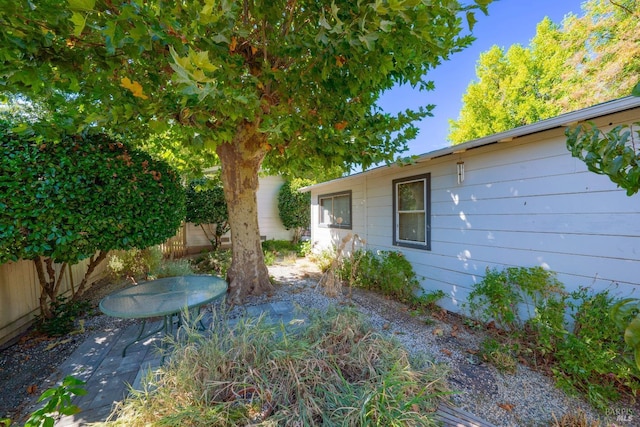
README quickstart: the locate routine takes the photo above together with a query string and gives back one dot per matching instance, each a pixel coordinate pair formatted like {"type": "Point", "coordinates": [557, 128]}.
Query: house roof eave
{"type": "Point", "coordinates": [561, 121]}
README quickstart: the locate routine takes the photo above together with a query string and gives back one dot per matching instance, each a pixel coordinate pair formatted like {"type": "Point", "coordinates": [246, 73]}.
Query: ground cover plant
{"type": "Point", "coordinates": [283, 249]}
{"type": "Point", "coordinates": [146, 264]}
{"type": "Point", "coordinates": [334, 371]}
{"type": "Point", "coordinates": [387, 272]}
{"type": "Point", "coordinates": [575, 336]}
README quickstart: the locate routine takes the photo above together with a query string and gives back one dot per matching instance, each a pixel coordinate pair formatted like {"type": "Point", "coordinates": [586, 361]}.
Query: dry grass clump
{"type": "Point", "coordinates": [335, 371]}
{"type": "Point", "coordinates": [578, 419]}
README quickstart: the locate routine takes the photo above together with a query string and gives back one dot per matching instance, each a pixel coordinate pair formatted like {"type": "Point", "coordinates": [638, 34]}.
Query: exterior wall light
{"type": "Point", "coordinates": [460, 166]}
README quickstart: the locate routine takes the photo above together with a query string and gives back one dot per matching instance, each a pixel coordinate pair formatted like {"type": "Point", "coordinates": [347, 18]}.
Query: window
{"type": "Point", "coordinates": [411, 212]}
{"type": "Point", "coordinates": [335, 210]}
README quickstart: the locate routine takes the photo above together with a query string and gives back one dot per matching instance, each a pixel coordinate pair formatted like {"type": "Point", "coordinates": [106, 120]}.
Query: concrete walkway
{"type": "Point", "coordinates": [109, 376]}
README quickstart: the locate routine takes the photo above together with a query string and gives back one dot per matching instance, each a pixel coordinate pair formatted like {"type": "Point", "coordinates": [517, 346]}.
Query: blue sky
{"type": "Point", "coordinates": [509, 22]}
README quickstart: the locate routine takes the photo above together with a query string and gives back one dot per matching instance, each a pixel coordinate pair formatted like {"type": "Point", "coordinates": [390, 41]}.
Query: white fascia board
{"type": "Point", "coordinates": [561, 121]}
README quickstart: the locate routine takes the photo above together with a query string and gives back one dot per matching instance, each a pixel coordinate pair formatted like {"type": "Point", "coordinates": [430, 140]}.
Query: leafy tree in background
{"type": "Point", "coordinates": [284, 85]}
{"type": "Point", "coordinates": [79, 197]}
{"type": "Point", "coordinates": [588, 60]}
{"type": "Point", "coordinates": [607, 65]}
{"type": "Point", "coordinates": [294, 207]}
{"type": "Point", "coordinates": [206, 206]}
{"type": "Point", "coordinates": [605, 53]}
{"type": "Point", "coordinates": [513, 88]}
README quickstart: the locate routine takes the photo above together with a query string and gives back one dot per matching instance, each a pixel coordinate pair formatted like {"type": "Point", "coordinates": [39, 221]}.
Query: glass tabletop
{"type": "Point", "coordinates": [163, 296]}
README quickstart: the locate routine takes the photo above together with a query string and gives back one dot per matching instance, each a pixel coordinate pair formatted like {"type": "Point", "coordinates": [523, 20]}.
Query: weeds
{"type": "Point", "coordinates": [323, 259]}
{"type": "Point", "coordinates": [500, 355]}
{"type": "Point", "coordinates": [65, 312]}
{"type": "Point", "coordinates": [335, 371]}
{"type": "Point", "coordinates": [216, 263]}
{"type": "Point", "coordinates": [589, 358]}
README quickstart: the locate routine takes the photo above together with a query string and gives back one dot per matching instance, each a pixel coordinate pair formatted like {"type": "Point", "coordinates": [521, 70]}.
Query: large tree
{"type": "Point", "coordinates": [605, 53]}
{"type": "Point", "coordinates": [587, 60]}
{"type": "Point", "coordinates": [513, 88]}
{"type": "Point", "coordinates": [264, 83]}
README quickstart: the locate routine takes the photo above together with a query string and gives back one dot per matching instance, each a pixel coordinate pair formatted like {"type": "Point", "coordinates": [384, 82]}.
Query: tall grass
{"type": "Point", "coordinates": [334, 372]}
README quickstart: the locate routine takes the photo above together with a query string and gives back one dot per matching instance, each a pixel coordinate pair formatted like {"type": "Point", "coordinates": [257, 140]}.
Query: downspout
{"type": "Point", "coordinates": [365, 212]}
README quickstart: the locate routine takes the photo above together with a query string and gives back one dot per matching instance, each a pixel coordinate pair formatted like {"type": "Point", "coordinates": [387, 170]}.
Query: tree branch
{"type": "Point", "coordinates": [94, 261]}
{"type": "Point", "coordinates": [623, 7]}
{"type": "Point", "coordinates": [56, 283]}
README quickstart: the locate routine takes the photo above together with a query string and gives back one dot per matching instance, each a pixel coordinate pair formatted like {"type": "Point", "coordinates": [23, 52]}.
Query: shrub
{"type": "Point", "coordinates": [65, 312]}
{"type": "Point", "coordinates": [135, 264]}
{"type": "Point", "coordinates": [501, 295]}
{"type": "Point", "coordinates": [387, 272]}
{"type": "Point", "coordinates": [79, 196]}
{"type": "Point", "coordinates": [294, 207]}
{"type": "Point", "coordinates": [205, 204]}
{"type": "Point", "coordinates": [591, 360]}
{"type": "Point", "coordinates": [214, 262]}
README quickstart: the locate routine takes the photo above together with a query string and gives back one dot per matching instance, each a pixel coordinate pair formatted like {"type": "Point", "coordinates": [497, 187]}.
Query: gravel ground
{"type": "Point", "coordinates": [526, 398]}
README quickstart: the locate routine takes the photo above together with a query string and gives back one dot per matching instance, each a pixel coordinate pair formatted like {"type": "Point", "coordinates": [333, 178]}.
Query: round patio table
{"type": "Point", "coordinates": [164, 297]}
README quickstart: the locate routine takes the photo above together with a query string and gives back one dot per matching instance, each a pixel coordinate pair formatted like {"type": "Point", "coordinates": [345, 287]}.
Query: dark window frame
{"type": "Point", "coordinates": [348, 194]}
{"type": "Point", "coordinates": [427, 208]}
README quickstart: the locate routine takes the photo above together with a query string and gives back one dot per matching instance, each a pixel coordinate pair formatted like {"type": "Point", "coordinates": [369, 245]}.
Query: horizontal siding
{"type": "Point", "coordinates": [523, 203]}
{"type": "Point", "coordinates": [612, 224]}
{"type": "Point", "coordinates": [268, 215]}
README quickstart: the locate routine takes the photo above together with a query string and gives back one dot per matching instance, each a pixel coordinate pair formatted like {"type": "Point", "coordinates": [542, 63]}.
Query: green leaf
{"type": "Point", "coordinates": [385, 25]}
{"type": "Point", "coordinates": [632, 333]}
{"type": "Point", "coordinates": [636, 90]}
{"type": "Point", "coordinates": [369, 39]}
{"type": "Point", "coordinates": [47, 394]}
{"type": "Point", "coordinates": [471, 20]}
{"type": "Point", "coordinates": [201, 60]}
{"type": "Point", "coordinates": [83, 5]}
{"type": "Point", "coordinates": [79, 22]}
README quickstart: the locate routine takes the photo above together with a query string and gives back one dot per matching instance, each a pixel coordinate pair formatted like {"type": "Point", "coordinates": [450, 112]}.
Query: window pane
{"type": "Point", "coordinates": [411, 227]}
{"type": "Point", "coordinates": [411, 196]}
{"type": "Point", "coordinates": [327, 208]}
{"type": "Point", "coordinates": [342, 210]}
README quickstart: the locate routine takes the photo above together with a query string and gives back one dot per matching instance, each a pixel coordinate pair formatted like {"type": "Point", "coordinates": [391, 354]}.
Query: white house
{"type": "Point", "coordinates": [269, 222]}
{"type": "Point", "coordinates": [517, 198]}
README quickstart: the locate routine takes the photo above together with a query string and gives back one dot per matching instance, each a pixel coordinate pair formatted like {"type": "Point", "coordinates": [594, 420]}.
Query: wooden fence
{"type": "Point", "coordinates": [176, 246]}
{"type": "Point", "coordinates": [20, 293]}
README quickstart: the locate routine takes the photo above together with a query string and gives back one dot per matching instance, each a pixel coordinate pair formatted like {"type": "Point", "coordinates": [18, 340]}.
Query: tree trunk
{"type": "Point", "coordinates": [49, 284]}
{"type": "Point", "coordinates": [94, 261]}
{"type": "Point", "coordinates": [241, 160]}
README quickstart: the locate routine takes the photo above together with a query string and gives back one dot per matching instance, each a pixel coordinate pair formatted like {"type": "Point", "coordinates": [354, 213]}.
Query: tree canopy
{"type": "Point", "coordinates": [280, 85]}
{"type": "Point", "coordinates": [206, 207]}
{"type": "Point", "coordinates": [80, 197]}
{"type": "Point", "coordinates": [587, 60]}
